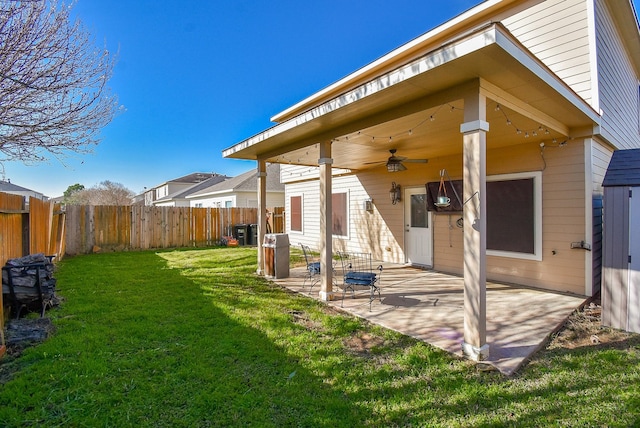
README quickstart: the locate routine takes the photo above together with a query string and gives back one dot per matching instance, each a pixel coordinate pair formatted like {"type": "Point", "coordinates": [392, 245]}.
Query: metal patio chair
{"type": "Point", "coordinates": [313, 267]}
{"type": "Point", "coordinates": [358, 273]}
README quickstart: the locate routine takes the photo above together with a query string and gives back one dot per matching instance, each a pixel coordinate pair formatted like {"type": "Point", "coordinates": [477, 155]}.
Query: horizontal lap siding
{"type": "Point", "coordinates": [382, 233]}
{"type": "Point", "coordinates": [563, 220]}
{"type": "Point", "coordinates": [618, 84]}
{"type": "Point", "coordinates": [381, 230]}
{"type": "Point", "coordinates": [557, 32]}
{"type": "Point", "coordinates": [309, 191]}
{"type": "Point", "coordinates": [378, 232]}
{"type": "Point", "coordinates": [600, 157]}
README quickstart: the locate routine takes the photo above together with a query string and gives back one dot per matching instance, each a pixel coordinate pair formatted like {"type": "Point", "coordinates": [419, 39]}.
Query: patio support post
{"type": "Point", "coordinates": [326, 244]}
{"type": "Point", "coordinates": [474, 131]}
{"type": "Point", "coordinates": [262, 212]}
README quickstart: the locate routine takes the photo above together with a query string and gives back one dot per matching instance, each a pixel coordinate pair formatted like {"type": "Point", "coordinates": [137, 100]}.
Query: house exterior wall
{"type": "Point", "coordinates": [381, 232]}
{"type": "Point", "coordinates": [237, 200]}
{"type": "Point", "coordinates": [618, 84]}
{"type": "Point", "coordinates": [579, 42]}
{"type": "Point", "coordinates": [558, 33]}
{"type": "Point", "coordinates": [563, 209]}
{"type": "Point", "coordinates": [173, 203]}
{"type": "Point", "coordinates": [599, 155]}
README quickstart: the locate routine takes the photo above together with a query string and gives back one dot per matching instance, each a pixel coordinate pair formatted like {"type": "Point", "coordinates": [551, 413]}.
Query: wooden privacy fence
{"type": "Point", "coordinates": [29, 229]}
{"type": "Point", "coordinates": [119, 228]}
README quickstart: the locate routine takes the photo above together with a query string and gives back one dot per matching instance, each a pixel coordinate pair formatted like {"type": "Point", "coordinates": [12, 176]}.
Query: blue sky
{"type": "Point", "coordinates": [198, 76]}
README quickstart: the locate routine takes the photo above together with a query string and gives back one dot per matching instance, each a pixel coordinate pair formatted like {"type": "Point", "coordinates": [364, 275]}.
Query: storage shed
{"type": "Point", "coordinates": [621, 246]}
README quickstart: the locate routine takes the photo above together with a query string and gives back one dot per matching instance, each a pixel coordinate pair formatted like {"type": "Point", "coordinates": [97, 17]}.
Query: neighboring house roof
{"type": "Point", "coordinates": [183, 193]}
{"type": "Point", "coordinates": [194, 177]}
{"type": "Point", "coordinates": [624, 169]}
{"type": "Point", "coordinates": [247, 181]}
{"type": "Point", "coordinates": [8, 187]}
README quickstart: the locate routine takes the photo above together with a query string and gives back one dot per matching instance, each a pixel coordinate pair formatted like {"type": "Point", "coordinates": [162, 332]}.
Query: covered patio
{"type": "Point", "coordinates": [479, 75]}
{"type": "Point", "coordinates": [428, 306]}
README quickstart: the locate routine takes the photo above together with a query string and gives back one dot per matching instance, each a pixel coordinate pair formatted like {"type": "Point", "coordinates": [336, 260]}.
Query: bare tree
{"type": "Point", "coordinates": [53, 94]}
{"type": "Point", "coordinates": [105, 193]}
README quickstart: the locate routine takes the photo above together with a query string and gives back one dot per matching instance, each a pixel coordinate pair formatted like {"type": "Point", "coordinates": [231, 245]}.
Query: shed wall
{"type": "Point", "coordinates": [615, 273]}
{"type": "Point", "coordinates": [633, 316]}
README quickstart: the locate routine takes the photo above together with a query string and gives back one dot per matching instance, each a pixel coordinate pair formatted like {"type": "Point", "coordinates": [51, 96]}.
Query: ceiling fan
{"type": "Point", "coordinates": [395, 163]}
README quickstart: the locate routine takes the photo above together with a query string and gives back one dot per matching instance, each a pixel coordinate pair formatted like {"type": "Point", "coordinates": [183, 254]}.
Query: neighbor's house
{"type": "Point", "coordinates": [172, 193]}
{"type": "Point", "coordinates": [8, 187]}
{"type": "Point", "coordinates": [518, 105]}
{"type": "Point", "coordinates": [240, 191]}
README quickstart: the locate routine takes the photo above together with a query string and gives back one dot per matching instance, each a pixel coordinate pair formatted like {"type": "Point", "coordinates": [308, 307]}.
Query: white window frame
{"type": "Point", "coordinates": [537, 207]}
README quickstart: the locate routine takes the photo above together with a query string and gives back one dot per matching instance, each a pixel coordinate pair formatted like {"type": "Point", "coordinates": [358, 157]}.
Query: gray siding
{"type": "Point", "coordinates": [618, 83]}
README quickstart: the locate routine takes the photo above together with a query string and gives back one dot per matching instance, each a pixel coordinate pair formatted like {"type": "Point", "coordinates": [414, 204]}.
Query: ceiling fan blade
{"type": "Point", "coordinates": [416, 160]}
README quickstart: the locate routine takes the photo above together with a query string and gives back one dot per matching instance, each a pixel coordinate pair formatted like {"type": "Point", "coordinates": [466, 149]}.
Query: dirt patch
{"type": "Point", "coordinates": [584, 328]}
{"type": "Point", "coordinates": [363, 343]}
{"type": "Point", "coordinates": [302, 318]}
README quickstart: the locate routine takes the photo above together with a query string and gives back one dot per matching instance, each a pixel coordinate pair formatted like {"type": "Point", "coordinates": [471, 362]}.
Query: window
{"type": "Point", "coordinates": [514, 215]}
{"type": "Point", "coordinates": [228, 204]}
{"type": "Point", "coordinates": [419, 214]}
{"type": "Point", "coordinates": [296, 213]}
{"type": "Point", "coordinates": [339, 214]}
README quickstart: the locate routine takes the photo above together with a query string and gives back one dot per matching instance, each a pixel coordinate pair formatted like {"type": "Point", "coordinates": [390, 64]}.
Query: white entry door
{"type": "Point", "coordinates": [418, 240]}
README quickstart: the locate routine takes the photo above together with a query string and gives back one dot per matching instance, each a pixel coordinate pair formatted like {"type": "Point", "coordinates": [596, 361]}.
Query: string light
{"type": "Point", "coordinates": [527, 133]}
{"type": "Point", "coordinates": [430, 118]}
{"type": "Point", "coordinates": [540, 129]}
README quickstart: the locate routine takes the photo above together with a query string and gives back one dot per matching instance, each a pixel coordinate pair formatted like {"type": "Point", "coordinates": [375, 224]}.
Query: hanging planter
{"type": "Point", "coordinates": [442, 200]}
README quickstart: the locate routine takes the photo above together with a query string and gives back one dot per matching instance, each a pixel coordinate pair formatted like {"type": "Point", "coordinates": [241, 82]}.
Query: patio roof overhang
{"type": "Point", "coordinates": [390, 111]}
{"type": "Point", "coordinates": [453, 85]}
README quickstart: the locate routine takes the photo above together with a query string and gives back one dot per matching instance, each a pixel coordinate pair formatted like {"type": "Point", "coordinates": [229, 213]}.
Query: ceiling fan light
{"type": "Point", "coordinates": [395, 166]}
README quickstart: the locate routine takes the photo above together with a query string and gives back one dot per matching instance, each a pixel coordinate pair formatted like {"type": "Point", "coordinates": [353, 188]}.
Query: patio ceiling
{"type": "Point", "coordinates": [418, 108]}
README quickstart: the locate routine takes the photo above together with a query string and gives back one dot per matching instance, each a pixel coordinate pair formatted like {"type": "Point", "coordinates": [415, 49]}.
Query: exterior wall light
{"type": "Point", "coordinates": [395, 193]}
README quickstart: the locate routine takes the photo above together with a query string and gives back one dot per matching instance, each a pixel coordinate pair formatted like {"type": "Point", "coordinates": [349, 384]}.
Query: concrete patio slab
{"type": "Point", "coordinates": [428, 306]}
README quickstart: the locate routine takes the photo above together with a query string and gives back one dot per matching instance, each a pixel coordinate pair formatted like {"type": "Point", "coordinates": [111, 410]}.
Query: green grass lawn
{"type": "Point", "coordinates": [193, 338]}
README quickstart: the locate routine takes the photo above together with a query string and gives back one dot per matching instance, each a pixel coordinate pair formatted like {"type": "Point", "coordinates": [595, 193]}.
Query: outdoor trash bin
{"type": "Point", "coordinates": [252, 234]}
{"type": "Point", "coordinates": [276, 255]}
{"type": "Point", "coordinates": [240, 233]}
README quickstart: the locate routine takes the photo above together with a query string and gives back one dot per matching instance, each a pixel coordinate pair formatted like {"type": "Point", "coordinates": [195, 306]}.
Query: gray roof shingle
{"type": "Point", "coordinates": [624, 169]}
{"type": "Point", "coordinates": [247, 181]}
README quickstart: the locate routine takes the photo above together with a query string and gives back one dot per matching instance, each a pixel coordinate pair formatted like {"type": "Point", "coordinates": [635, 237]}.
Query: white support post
{"type": "Point", "coordinates": [262, 212]}
{"type": "Point", "coordinates": [474, 131]}
{"type": "Point", "coordinates": [326, 244]}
